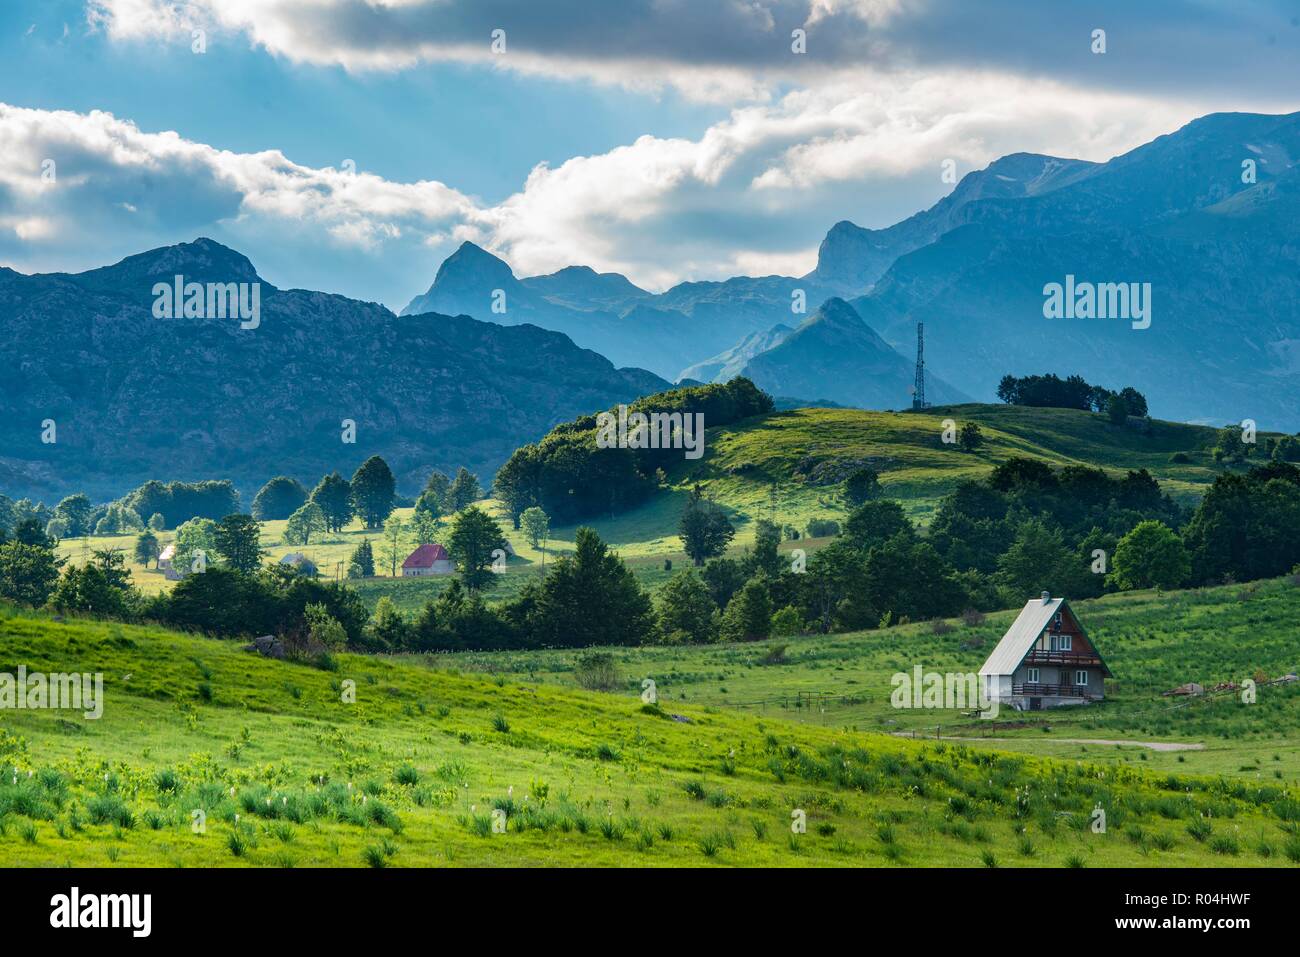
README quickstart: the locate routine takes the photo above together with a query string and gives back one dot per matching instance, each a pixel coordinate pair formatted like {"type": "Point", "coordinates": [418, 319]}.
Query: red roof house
{"type": "Point", "coordinates": [429, 559]}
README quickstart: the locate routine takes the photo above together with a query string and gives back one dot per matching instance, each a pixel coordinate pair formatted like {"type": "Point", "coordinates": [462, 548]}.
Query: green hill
{"type": "Point", "coordinates": [287, 773]}
{"type": "Point", "coordinates": [789, 464]}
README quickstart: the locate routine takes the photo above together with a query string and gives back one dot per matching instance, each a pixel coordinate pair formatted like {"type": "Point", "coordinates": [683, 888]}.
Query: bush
{"type": "Point", "coordinates": [597, 672]}
{"type": "Point", "coordinates": [787, 622]}
{"type": "Point", "coordinates": [823, 528]}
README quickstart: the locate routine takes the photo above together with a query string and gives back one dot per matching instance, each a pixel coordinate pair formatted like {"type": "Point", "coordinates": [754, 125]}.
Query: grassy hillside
{"type": "Point", "coordinates": [1152, 642]}
{"type": "Point", "coordinates": [788, 465]}
{"type": "Point", "coordinates": [807, 450]}
{"type": "Point", "coordinates": [287, 773]}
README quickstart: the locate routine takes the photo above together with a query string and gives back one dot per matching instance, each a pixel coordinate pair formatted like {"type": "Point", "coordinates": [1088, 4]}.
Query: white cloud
{"type": "Point", "coordinates": [764, 184]}
{"type": "Point", "coordinates": [753, 194]}
{"type": "Point", "coordinates": [101, 166]}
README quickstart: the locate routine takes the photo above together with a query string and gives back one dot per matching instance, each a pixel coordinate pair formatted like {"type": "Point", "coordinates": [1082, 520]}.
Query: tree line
{"type": "Point", "coordinates": [1028, 527]}
{"type": "Point", "coordinates": [1073, 392]}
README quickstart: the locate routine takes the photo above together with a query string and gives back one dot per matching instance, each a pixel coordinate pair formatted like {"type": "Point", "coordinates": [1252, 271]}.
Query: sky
{"type": "Point", "coordinates": [351, 145]}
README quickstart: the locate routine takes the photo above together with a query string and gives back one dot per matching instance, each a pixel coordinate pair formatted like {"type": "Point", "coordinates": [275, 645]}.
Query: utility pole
{"type": "Point", "coordinates": [918, 389]}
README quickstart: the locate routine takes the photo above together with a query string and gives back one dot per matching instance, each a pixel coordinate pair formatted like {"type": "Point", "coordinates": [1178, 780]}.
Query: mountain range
{"type": "Point", "coordinates": [1203, 215]}
{"type": "Point", "coordinates": [134, 397]}
{"type": "Point", "coordinates": [1204, 218]}
{"type": "Point", "coordinates": [665, 332]}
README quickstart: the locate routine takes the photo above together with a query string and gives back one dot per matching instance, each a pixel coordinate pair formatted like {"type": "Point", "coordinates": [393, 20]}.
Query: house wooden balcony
{"type": "Point", "coordinates": [1052, 691]}
{"type": "Point", "coordinates": [1077, 659]}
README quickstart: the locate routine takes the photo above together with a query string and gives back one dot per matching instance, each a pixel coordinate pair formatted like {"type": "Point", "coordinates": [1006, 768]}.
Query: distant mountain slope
{"type": "Point", "coordinates": [582, 287]}
{"type": "Point", "coordinates": [729, 363]}
{"type": "Point", "coordinates": [851, 258]}
{"type": "Point", "coordinates": [135, 397]}
{"type": "Point", "coordinates": [835, 355]}
{"type": "Point", "coordinates": [606, 312]}
{"type": "Point", "coordinates": [1220, 255]}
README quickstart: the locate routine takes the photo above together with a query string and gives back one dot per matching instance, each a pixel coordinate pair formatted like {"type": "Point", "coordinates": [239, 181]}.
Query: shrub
{"type": "Point", "coordinates": [1199, 829]}
{"type": "Point", "coordinates": [606, 752]}
{"type": "Point", "coordinates": [787, 622]}
{"type": "Point", "coordinates": [1224, 844]}
{"type": "Point", "coordinates": [108, 809]}
{"type": "Point", "coordinates": [597, 672]}
{"type": "Point", "coordinates": [823, 528]}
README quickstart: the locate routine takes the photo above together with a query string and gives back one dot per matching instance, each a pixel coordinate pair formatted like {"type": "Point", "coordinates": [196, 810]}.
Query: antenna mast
{"type": "Point", "coordinates": [918, 390]}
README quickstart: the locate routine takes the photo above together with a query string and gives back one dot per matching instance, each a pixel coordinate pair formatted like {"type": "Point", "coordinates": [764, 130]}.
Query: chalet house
{"type": "Point", "coordinates": [166, 563]}
{"type": "Point", "coordinates": [300, 563]}
{"type": "Point", "coordinates": [1044, 660]}
{"type": "Point", "coordinates": [428, 560]}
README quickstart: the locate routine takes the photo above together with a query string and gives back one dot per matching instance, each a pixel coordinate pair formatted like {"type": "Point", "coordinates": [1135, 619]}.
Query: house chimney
{"type": "Point", "coordinates": [1047, 597]}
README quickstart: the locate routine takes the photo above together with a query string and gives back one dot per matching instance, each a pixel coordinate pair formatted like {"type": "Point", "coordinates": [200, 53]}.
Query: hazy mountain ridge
{"type": "Point", "coordinates": [134, 397]}
{"type": "Point", "coordinates": [1220, 255]}
{"type": "Point", "coordinates": [663, 332]}
{"type": "Point", "coordinates": [732, 361]}
{"type": "Point", "coordinates": [834, 355]}
{"type": "Point", "coordinates": [852, 257]}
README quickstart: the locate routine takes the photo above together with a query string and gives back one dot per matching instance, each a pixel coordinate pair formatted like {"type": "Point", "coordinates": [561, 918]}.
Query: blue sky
{"type": "Point", "coordinates": [665, 139]}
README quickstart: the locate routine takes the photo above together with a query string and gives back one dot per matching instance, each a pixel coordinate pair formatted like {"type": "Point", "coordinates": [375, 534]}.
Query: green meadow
{"type": "Point", "coordinates": [1152, 642]}
{"type": "Point", "coordinates": [787, 752]}
{"type": "Point", "coordinates": [388, 762]}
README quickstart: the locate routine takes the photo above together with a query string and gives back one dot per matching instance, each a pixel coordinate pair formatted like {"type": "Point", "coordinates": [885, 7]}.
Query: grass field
{"type": "Point", "coordinates": [288, 771]}
{"type": "Point", "coordinates": [1153, 643]}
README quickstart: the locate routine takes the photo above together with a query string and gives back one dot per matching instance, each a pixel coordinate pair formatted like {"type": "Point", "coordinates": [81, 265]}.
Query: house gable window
{"type": "Point", "coordinates": [1061, 642]}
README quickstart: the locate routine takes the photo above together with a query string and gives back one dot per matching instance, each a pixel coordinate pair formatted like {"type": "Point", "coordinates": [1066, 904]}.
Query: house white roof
{"type": "Point", "coordinates": [1020, 637]}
